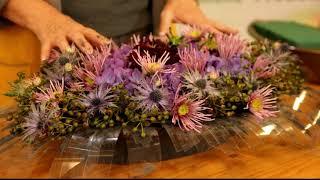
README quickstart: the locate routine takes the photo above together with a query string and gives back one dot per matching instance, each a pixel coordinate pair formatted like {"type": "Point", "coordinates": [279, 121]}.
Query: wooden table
{"type": "Point", "coordinates": [274, 159]}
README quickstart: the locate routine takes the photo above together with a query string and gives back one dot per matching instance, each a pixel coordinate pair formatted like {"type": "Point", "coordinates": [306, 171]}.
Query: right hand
{"type": "Point", "coordinates": [62, 30]}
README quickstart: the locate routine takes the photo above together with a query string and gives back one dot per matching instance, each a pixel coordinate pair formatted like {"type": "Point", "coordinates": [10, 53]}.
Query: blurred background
{"type": "Point", "coordinates": [241, 13]}
{"type": "Point", "coordinates": [296, 22]}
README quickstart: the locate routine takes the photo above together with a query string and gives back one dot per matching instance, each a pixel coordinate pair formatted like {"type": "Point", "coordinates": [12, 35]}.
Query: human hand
{"type": "Point", "coordinates": [188, 12]}
{"type": "Point", "coordinates": [53, 29]}
{"type": "Point", "coordinates": [63, 30]}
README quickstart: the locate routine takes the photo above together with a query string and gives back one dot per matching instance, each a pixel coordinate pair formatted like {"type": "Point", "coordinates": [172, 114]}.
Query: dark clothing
{"type": "Point", "coordinates": [112, 18]}
{"type": "Point", "coordinates": [118, 19]}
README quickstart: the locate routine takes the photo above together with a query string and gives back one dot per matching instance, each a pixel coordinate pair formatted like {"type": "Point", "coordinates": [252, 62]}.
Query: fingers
{"type": "Point", "coordinates": [165, 21]}
{"type": "Point", "coordinates": [222, 28]}
{"type": "Point", "coordinates": [95, 38]}
{"type": "Point", "coordinates": [81, 42]}
{"type": "Point", "coordinates": [63, 45]}
{"type": "Point", "coordinates": [210, 28]}
{"type": "Point", "coordinates": [45, 51]}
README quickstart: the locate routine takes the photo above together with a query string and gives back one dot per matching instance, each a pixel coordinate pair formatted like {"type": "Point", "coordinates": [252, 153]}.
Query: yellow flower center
{"type": "Point", "coordinates": [211, 44]}
{"type": "Point", "coordinates": [195, 34]}
{"type": "Point", "coordinates": [183, 110]}
{"type": "Point", "coordinates": [213, 75]}
{"type": "Point", "coordinates": [153, 68]}
{"type": "Point", "coordinates": [89, 81]}
{"type": "Point", "coordinates": [257, 104]}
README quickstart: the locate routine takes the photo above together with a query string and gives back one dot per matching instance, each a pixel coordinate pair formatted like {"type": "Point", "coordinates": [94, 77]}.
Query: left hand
{"type": "Point", "coordinates": [188, 12]}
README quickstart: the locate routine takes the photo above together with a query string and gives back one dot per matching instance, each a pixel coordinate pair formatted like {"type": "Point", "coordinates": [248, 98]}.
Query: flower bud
{"type": "Point", "coordinates": [36, 81]}
{"type": "Point", "coordinates": [68, 67]}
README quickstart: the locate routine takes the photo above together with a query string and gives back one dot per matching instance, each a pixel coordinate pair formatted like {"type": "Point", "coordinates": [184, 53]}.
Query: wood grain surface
{"type": "Point", "coordinates": [273, 158]}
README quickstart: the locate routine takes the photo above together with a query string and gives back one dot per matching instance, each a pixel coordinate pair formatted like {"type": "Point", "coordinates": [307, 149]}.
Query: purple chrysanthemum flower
{"type": "Point", "coordinates": [193, 59]}
{"type": "Point", "coordinates": [229, 46]}
{"type": "Point", "coordinates": [262, 104]}
{"type": "Point", "coordinates": [98, 100]}
{"type": "Point", "coordinates": [188, 113]}
{"type": "Point", "coordinates": [115, 69]}
{"type": "Point", "coordinates": [151, 95]}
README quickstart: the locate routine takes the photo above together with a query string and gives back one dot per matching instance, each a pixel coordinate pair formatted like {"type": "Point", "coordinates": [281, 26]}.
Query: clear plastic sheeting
{"type": "Point", "coordinates": [297, 124]}
{"type": "Point", "coordinates": [144, 154]}
{"type": "Point", "coordinates": [85, 150]}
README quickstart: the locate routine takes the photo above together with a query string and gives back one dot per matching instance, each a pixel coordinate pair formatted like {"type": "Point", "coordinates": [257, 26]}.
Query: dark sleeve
{"type": "Point", "coordinates": [2, 3]}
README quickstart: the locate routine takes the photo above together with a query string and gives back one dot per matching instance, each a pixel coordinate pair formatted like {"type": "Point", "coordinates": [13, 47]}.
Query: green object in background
{"type": "Point", "coordinates": [295, 34]}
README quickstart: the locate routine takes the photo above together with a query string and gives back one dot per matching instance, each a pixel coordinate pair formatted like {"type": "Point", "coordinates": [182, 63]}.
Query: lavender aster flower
{"type": "Point", "coordinates": [150, 95]}
{"type": "Point", "coordinates": [98, 100]}
{"type": "Point", "coordinates": [199, 85]}
{"type": "Point", "coordinates": [36, 122]}
{"type": "Point", "coordinates": [262, 104]}
{"type": "Point", "coordinates": [188, 113]}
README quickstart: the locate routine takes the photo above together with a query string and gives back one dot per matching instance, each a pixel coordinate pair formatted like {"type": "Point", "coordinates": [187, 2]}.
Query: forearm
{"type": "Point", "coordinates": [29, 13]}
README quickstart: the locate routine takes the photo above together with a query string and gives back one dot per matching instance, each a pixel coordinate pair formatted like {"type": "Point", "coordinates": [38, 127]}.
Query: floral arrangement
{"type": "Point", "coordinates": [186, 80]}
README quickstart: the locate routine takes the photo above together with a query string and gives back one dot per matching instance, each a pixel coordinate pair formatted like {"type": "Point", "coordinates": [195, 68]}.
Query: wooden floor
{"type": "Point", "coordinates": [272, 159]}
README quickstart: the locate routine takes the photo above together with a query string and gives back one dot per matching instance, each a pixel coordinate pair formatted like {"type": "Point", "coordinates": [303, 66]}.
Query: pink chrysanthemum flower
{"type": "Point", "coordinates": [152, 65]}
{"type": "Point", "coordinates": [76, 86]}
{"type": "Point", "coordinates": [92, 65]}
{"type": "Point", "coordinates": [193, 59]}
{"type": "Point", "coordinates": [264, 67]}
{"type": "Point", "coordinates": [268, 65]}
{"type": "Point", "coordinates": [136, 39]}
{"type": "Point", "coordinates": [229, 46]}
{"type": "Point", "coordinates": [55, 89]}
{"type": "Point", "coordinates": [262, 104]}
{"type": "Point", "coordinates": [188, 113]}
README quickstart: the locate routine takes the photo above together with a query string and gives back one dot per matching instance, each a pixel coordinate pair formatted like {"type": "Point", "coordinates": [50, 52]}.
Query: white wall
{"type": "Point", "coordinates": [240, 13]}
